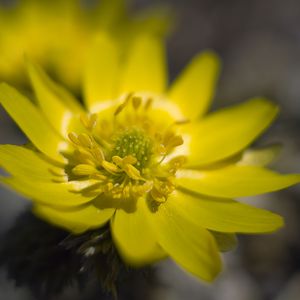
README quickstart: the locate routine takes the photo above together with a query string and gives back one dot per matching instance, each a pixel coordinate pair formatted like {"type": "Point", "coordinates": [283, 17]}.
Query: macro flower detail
{"type": "Point", "coordinates": [144, 157]}
{"type": "Point", "coordinates": [31, 27]}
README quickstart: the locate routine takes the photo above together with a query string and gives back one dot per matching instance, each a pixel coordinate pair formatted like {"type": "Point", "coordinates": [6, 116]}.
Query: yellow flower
{"type": "Point", "coordinates": [56, 33]}
{"type": "Point", "coordinates": [144, 157]}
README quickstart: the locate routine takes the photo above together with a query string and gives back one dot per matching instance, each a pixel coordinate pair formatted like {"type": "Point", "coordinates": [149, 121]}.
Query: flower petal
{"type": "Point", "coordinates": [50, 99]}
{"type": "Point", "coordinates": [224, 215]}
{"type": "Point", "coordinates": [225, 241]}
{"type": "Point", "coordinates": [226, 132]}
{"type": "Point", "coordinates": [22, 162]}
{"type": "Point", "coordinates": [191, 246]}
{"type": "Point", "coordinates": [101, 72]}
{"type": "Point", "coordinates": [134, 238]}
{"type": "Point", "coordinates": [145, 70]}
{"type": "Point", "coordinates": [48, 193]}
{"type": "Point", "coordinates": [31, 121]}
{"type": "Point", "coordinates": [261, 156]}
{"type": "Point", "coordinates": [76, 220]}
{"type": "Point", "coordinates": [193, 90]}
{"type": "Point", "coordinates": [235, 181]}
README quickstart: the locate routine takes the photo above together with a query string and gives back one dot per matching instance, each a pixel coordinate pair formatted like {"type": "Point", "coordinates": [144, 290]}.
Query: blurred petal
{"type": "Point", "coordinates": [193, 90]}
{"type": "Point", "coordinates": [47, 192]}
{"type": "Point", "coordinates": [31, 121]}
{"type": "Point", "coordinates": [225, 241]}
{"type": "Point", "coordinates": [76, 220]}
{"type": "Point", "coordinates": [101, 72]}
{"type": "Point", "coordinates": [191, 246]}
{"type": "Point", "coordinates": [134, 238]}
{"type": "Point", "coordinates": [145, 69]}
{"type": "Point", "coordinates": [235, 181]}
{"type": "Point", "coordinates": [228, 131]}
{"type": "Point", "coordinates": [110, 12]}
{"type": "Point", "coordinates": [224, 215]}
{"type": "Point", "coordinates": [50, 100]}
{"type": "Point", "coordinates": [260, 156]}
{"type": "Point", "coordinates": [23, 163]}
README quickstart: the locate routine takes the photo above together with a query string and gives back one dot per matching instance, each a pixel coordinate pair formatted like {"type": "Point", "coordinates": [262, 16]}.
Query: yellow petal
{"type": "Point", "coordinates": [225, 241]}
{"type": "Point", "coordinates": [191, 246]}
{"type": "Point", "coordinates": [134, 238]}
{"type": "Point", "coordinates": [77, 220]}
{"type": "Point", "coordinates": [235, 181]}
{"type": "Point", "coordinates": [224, 215]}
{"type": "Point", "coordinates": [50, 100]}
{"type": "Point", "coordinates": [31, 121]}
{"type": "Point", "coordinates": [101, 72]}
{"type": "Point", "coordinates": [145, 69]}
{"type": "Point", "coordinates": [24, 163]}
{"type": "Point", "coordinates": [109, 13]}
{"type": "Point", "coordinates": [193, 90]}
{"type": "Point", "coordinates": [228, 131]}
{"type": "Point", "coordinates": [261, 156]}
{"type": "Point", "coordinates": [47, 192]}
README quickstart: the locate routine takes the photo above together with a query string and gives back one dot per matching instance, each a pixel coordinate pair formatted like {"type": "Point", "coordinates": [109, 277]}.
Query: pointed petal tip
{"type": "Point", "coordinates": [279, 224]}
{"type": "Point", "coordinates": [212, 272]}
{"type": "Point", "coordinates": [194, 88]}
{"type": "Point", "coordinates": [269, 104]}
{"type": "Point", "coordinates": [294, 179]}
{"type": "Point", "coordinates": [210, 55]}
{"type": "Point", "coordinates": [235, 181]}
{"type": "Point", "coordinates": [234, 129]}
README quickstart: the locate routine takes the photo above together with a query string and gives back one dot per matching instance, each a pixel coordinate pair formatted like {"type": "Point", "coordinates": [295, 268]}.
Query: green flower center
{"type": "Point", "coordinates": [136, 143]}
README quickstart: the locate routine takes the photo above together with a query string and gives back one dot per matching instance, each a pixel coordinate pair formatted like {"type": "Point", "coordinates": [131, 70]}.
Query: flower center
{"type": "Point", "coordinates": [136, 143]}
{"type": "Point", "coordinates": [123, 155]}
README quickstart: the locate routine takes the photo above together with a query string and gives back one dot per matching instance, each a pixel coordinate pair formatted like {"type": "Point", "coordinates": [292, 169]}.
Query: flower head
{"type": "Point", "coordinates": [56, 33]}
{"type": "Point", "coordinates": [144, 157]}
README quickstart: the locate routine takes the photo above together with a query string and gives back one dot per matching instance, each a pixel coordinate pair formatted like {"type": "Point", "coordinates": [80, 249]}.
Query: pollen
{"type": "Point", "coordinates": [136, 143]}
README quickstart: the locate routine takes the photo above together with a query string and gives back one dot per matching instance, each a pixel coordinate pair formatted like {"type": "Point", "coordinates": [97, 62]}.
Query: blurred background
{"type": "Point", "coordinates": [259, 43]}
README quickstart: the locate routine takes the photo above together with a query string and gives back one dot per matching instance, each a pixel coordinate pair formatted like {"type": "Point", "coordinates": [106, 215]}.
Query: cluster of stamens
{"type": "Point", "coordinates": [125, 158]}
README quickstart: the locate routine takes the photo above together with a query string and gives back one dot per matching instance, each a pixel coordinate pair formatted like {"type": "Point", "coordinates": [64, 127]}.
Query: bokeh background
{"type": "Point", "coordinates": [259, 43]}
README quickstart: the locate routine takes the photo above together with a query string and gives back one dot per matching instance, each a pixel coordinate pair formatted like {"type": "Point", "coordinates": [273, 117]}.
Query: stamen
{"type": "Point", "coordinates": [133, 172]}
{"type": "Point", "coordinates": [85, 140]}
{"type": "Point", "coordinates": [162, 189]}
{"type": "Point", "coordinates": [84, 170]}
{"type": "Point", "coordinates": [177, 162]}
{"type": "Point", "coordinates": [60, 179]}
{"type": "Point", "coordinates": [99, 176]}
{"type": "Point", "coordinates": [123, 105]}
{"type": "Point", "coordinates": [127, 157]}
{"type": "Point", "coordinates": [121, 162]}
{"type": "Point", "coordinates": [98, 155]}
{"type": "Point", "coordinates": [74, 138]}
{"type": "Point", "coordinates": [157, 196]}
{"type": "Point", "coordinates": [84, 156]}
{"type": "Point", "coordinates": [110, 167]}
{"type": "Point", "coordinates": [181, 122]}
{"type": "Point", "coordinates": [126, 164]}
{"type": "Point", "coordinates": [140, 190]}
{"type": "Point", "coordinates": [148, 103]}
{"type": "Point", "coordinates": [174, 142]}
{"type": "Point", "coordinates": [88, 121]}
{"type": "Point", "coordinates": [136, 102]}
{"type": "Point", "coordinates": [58, 172]}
